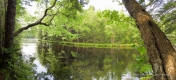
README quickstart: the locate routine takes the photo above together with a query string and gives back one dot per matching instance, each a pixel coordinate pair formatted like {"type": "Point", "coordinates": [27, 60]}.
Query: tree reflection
{"type": "Point", "coordinates": [69, 62]}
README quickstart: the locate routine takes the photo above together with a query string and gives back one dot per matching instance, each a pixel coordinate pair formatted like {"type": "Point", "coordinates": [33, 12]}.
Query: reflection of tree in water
{"type": "Point", "coordinates": [66, 62]}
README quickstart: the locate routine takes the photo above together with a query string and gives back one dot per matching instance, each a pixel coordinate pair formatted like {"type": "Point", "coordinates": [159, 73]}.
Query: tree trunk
{"type": "Point", "coordinates": [2, 7]}
{"type": "Point", "coordinates": [0, 42]}
{"type": "Point", "coordinates": [9, 30]}
{"type": "Point", "coordinates": [162, 55]}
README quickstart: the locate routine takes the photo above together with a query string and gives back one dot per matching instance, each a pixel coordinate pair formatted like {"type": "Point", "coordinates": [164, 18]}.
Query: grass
{"type": "Point", "coordinates": [95, 45]}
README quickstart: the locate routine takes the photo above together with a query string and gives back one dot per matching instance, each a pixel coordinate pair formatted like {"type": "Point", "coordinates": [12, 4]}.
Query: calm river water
{"type": "Point", "coordinates": [59, 62]}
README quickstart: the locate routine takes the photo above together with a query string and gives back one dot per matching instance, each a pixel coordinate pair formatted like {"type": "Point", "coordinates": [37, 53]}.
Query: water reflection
{"type": "Point", "coordinates": [29, 51]}
{"type": "Point", "coordinates": [73, 63]}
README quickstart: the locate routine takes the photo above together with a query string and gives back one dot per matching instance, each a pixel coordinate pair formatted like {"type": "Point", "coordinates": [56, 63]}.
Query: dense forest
{"type": "Point", "coordinates": [149, 28]}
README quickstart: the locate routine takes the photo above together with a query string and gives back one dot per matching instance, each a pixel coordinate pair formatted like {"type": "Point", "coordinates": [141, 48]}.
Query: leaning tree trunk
{"type": "Point", "coordinates": [162, 55]}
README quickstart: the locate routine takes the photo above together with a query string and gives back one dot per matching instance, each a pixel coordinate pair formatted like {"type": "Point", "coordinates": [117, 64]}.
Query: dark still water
{"type": "Point", "coordinates": [76, 63]}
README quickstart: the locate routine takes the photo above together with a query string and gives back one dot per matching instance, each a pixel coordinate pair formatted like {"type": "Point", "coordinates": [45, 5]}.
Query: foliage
{"type": "Point", "coordinates": [120, 25]}
{"type": "Point", "coordinates": [166, 16]}
{"type": "Point", "coordinates": [18, 68]}
{"type": "Point", "coordinates": [92, 27]}
{"type": "Point", "coordinates": [142, 65]}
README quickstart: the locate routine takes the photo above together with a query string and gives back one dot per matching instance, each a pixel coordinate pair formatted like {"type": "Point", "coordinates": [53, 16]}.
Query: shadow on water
{"type": "Point", "coordinates": [77, 63]}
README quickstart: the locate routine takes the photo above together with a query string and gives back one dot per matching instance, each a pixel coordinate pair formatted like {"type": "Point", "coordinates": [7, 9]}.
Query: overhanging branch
{"type": "Point", "coordinates": [38, 22]}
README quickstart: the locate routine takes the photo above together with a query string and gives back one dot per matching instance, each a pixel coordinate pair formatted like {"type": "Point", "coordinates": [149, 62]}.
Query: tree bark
{"type": "Point", "coordinates": [10, 23]}
{"type": "Point", "coordinates": [0, 41]}
{"type": "Point", "coordinates": [2, 10]}
{"type": "Point", "coordinates": [9, 30]}
{"type": "Point", "coordinates": [162, 55]}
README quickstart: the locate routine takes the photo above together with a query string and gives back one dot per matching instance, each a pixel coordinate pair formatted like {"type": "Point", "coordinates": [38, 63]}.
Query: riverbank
{"type": "Point", "coordinates": [95, 45]}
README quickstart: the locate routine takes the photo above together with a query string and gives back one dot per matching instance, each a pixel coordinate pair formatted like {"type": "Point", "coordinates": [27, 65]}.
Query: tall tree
{"type": "Point", "coordinates": [2, 13]}
{"type": "Point", "coordinates": [9, 28]}
{"type": "Point", "coordinates": [0, 40]}
{"type": "Point", "coordinates": [162, 55]}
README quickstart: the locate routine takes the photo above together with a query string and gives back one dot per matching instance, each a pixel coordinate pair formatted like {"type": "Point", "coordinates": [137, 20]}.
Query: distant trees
{"type": "Point", "coordinates": [92, 26]}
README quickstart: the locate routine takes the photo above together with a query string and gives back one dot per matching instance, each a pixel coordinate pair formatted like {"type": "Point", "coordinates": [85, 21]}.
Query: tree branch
{"type": "Point", "coordinates": [38, 22]}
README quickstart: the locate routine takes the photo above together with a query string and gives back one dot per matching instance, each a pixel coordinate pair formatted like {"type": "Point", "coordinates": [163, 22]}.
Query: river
{"type": "Point", "coordinates": [58, 62]}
